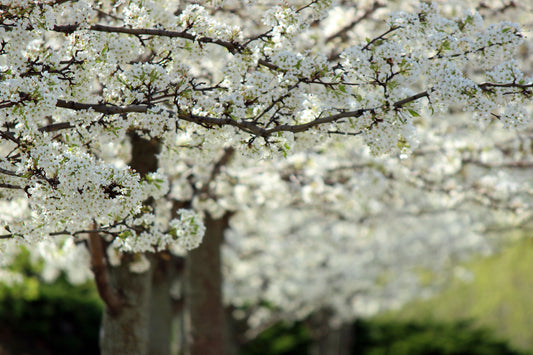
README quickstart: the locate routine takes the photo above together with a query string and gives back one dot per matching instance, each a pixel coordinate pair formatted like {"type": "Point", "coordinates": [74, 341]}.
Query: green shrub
{"type": "Point", "coordinates": [426, 338]}
{"type": "Point", "coordinates": [280, 339]}
{"type": "Point", "coordinates": [44, 319]}
{"type": "Point", "coordinates": [373, 337]}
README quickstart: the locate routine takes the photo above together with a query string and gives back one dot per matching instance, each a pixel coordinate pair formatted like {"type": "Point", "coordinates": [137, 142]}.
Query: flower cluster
{"type": "Point", "coordinates": [188, 231]}
{"type": "Point", "coordinates": [256, 110]}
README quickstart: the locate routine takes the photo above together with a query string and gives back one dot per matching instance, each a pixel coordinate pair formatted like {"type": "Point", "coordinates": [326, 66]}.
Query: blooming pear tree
{"type": "Point", "coordinates": [124, 123]}
{"type": "Point", "coordinates": [413, 219]}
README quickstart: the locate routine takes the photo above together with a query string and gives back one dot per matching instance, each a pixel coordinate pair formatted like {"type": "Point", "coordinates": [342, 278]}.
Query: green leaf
{"type": "Point", "coordinates": [342, 88]}
{"type": "Point", "coordinates": [413, 112]}
{"type": "Point", "coordinates": [125, 234]}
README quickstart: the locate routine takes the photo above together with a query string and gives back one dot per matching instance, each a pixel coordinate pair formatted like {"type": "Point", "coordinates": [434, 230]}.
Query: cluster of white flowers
{"type": "Point", "coordinates": [58, 256]}
{"type": "Point", "coordinates": [79, 12]}
{"type": "Point", "coordinates": [179, 235]}
{"type": "Point", "coordinates": [374, 269]}
{"type": "Point", "coordinates": [188, 231]}
{"type": "Point", "coordinates": [196, 18]}
{"type": "Point", "coordinates": [8, 253]}
{"type": "Point", "coordinates": [304, 114]}
{"type": "Point", "coordinates": [69, 188]}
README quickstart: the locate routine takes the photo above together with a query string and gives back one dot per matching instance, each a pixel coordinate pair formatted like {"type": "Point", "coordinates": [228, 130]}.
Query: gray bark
{"type": "Point", "coordinates": [125, 329]}
{"type": "Point", "coordinates": [203, 293]}
{"type": "Point", "coordinates": [328, 340]}
{"type": "Point", "coordinates": [162, 312]}
{"type": "Point", "coordinates": [127, 332]}
{"type": "Point", "coordinates": [335, 342]}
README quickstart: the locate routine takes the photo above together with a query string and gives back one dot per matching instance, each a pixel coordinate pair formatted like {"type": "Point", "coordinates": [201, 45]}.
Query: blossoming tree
{"type": "Point", "coordinates": [119, 120]}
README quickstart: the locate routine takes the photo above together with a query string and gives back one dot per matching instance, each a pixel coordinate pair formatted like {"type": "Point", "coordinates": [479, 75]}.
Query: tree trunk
{"type": "Point", "coordinates": [162, 313]}
{"type": "Point", "coordinates": [125, 329]}
{"type": "Point", "coordinates": [203, 293]}
{"type": "Point", "coordinates": [126, 332]}
{"type": "Point", "coordinates": [328, 340]}
{"type": "Point", "coordinates": [337, 341]}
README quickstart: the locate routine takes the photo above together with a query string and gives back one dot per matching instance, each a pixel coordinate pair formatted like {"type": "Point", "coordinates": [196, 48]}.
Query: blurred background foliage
{"type": "Point", "coordinates": [48, 318]}
{"type": "Point", "coordinates": [499, 296]}
{"type": "Point", "coordinates": [489, 313]}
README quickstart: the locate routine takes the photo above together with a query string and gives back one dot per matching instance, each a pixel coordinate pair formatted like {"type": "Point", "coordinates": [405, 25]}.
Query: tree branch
{"type": "Point", "coordinates": [246, 125]}
{"type": "Point", "coordinates": [521, 164]}
{"type": "Point", "coordinates": [10, 186]}
{"type": "Point", "coordinates": [106, 291]}
{"type": "Point", "coordinates": [342, 32]}
{"type": "Point", "coordinates": [102, 108]}
{"type": "Point", "coordinates": [485, 86]}
{"type": "Point", "coordinates": [9, 172]}
{"type": "Point", "coordinates": [224, 159]}
{"type": "Point", "coordinates": [232, 47]}
{"type": "Point", "coordinates": [56, 126]}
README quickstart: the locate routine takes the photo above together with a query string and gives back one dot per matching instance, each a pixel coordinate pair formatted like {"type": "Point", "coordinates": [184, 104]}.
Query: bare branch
{"type": "Point", "coordinates": [230, 46]}
{"type": "Point", "coordinates": [244, 125]}
{"type": "Point", "coordinates": [487, 85]}
{"type": "Point", "coordinates": [409, 99]}
{"type": "Point", "coordinates": [10, 173]}
{"type": "Point", "coordinates": [56, 127]}
{"type": "Point", "coordinates": [106, 291]}
{"type": "Point", "coordinates": [521, 164]}
{"type": "Point", "coordinates": [8, 136]}
{"type": "Point", "coordinates": [248, 126]}
{"type": "Point", "coordinates": [102, 108]}
{"type": "Point", "coordinates": [381, 36]}
{"type": "Point", "coordinates": [224, 160]}
{"type": "Point", "coordinates": [9, 186]}
{"type": "Point", "coordinates": [342, 32]}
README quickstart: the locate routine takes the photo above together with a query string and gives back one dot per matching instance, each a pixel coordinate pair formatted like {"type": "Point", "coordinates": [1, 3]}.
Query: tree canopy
{"type": "Point", "coordinates": [384, 136]}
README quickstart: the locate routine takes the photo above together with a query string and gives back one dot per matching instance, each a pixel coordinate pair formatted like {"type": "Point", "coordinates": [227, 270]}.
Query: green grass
{"type": "Point", "coordinates": [499, 297]}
